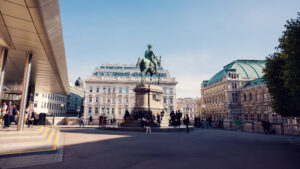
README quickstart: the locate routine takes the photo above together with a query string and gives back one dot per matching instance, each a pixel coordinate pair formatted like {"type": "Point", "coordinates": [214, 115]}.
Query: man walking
{"type": "Point", "coordinates": [81, 121]}
{"type": "Point", "coordinates": [187, 122]}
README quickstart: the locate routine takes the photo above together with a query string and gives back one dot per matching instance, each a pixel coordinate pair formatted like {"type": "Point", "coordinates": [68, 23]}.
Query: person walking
{"type": "Point", "coordinates": [220, 122]}
{"type": "Point", "coordinates": [1, 118]}
{"type": "Point", "coordinates": [15, 114]}
{"type": "Point", "coordinates": [158, 119]}
{"type": "Point", "coordinates": [30, 115]}
{"type": "Point", "coordinates": [238, 123]}
{"type": "Point", "coordinates": [3, 114]}
{"type": "Point", "coordinates": [187, 122]}
{"type": "Point", "coordinates": [100, 121]}
{"type": "Point", "coordinates": [148, 126]}
{"type": "Point", "coordinates": [104, 120]}
{"type": "Point", "coordinates": [10, 112]}
{"type": "Point", "coordinates": [90, 120]}
{"type": "Point", "coordinates": [6, 119]}
{"type": "Point", "coordinates": [82, 121]}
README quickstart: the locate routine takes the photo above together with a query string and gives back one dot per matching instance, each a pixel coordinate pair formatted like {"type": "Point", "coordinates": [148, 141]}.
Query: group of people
{"type": "Point", "coordinates": [10, 114]}
{"type": "Point", "coordinates": [175, 118]}
{"type": "Point", "coordinates": [102, 120]}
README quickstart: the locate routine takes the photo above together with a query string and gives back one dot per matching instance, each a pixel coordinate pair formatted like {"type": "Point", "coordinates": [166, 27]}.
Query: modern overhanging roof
{"type": "Point", "coordinates": [34, 26]}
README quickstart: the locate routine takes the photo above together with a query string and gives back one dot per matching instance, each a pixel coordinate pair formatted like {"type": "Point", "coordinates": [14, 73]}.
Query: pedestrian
{"type": "Point", "coordinates": [104, 120]}
{"type": "Point", "coordinates": [206, 123]}
{"type": "Point", "coordinates": [30, 116]}
{"type": "Point", "coordinates": [127, 115]}
{"type": "Point", "coordinates": [187, 122]}
{"type": "Point", "coordinates": [1, 118]}
{"type": "Point", "coordinates": [172, 121]}
{"type": "Point", "coordinates": [100, 121]}
{"type": "Point", "coordinates": [3, 114]}
{"type": "Point", "coordinates": [209, 122]}
{"type": "Point", "coordinates": [148, 126]}
{"type": "Point", "coordinates": [16, 114]}
{"type": "Point", "coordinates": [220, 122]}
{"type": "Point", "coordinates": [10, 112]}
{"type": "Point", "coordinates": [158, 119]}
{"type": "Point", "coordinates": [114, 121]}
{"type": "Point", "coordinates": [6, 119]}
{"type": "Point", "coordinates": [90, 120]}
{"type": "Point", "coordinates": [82, 121]}
{"type": "Point", "coordinates": [266, 126]}
{"type": "Point", "coordinates": [238, 123]}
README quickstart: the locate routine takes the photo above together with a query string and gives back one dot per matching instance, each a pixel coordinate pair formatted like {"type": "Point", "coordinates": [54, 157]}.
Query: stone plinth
{"type": "Point", "coordinates": [165, 120]}
{"type": "Point", "coordinates": [148, 98]}
{"type": "Point", "coordinates": [148, 102]}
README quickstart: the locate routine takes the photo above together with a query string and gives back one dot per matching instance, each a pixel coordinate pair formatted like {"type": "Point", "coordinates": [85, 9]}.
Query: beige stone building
{"type": "Point", "coordinates": [221, 94]}
{"type": "Point", "coordinates": [110, 90]}
{"type": "Point", "coordinates": [199, 106]}
{"type": "Point", "coordinates": [256, 102]}
{"type": "Point", "coordinates": [187, 106]}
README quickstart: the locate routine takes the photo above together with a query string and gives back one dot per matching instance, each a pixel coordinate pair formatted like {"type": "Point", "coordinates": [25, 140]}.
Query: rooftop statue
{"type": "Point", "coordinates": [149, 64]}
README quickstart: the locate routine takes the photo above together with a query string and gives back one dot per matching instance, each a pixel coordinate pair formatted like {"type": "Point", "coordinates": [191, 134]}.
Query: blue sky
{"type": "Point", "coordinates": [195, 38]}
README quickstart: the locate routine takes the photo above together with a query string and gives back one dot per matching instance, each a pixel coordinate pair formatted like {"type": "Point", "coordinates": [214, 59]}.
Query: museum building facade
{"type": "Point", "coordinates": [109, 90]}
{"type": "Point", "coordinates": [238, 92]}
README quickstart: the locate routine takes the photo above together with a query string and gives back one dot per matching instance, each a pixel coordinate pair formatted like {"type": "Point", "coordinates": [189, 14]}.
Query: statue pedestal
{"type": "Point", "coordinates": [148, 98]}
{"type": "Point", "coordinates": [165, 121]}
{"type": "Point", "coordinates": [148, 102]}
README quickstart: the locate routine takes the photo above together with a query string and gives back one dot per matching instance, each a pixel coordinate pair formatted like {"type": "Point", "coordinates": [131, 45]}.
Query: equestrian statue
{"type": "Point", "coordinates": [149, 64]}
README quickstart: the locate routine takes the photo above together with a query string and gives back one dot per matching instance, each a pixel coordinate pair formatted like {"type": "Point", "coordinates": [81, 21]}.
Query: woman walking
{"type": "Point", "coordinates": [148, 126]}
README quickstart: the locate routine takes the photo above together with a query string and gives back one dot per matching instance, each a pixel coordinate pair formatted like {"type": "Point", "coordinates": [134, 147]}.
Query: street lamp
{"type": "Point", "coordinates": [61, 106]}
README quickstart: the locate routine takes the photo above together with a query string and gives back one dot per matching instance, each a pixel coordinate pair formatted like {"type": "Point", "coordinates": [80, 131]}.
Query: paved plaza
{"type": "Point", "coordinates": [216, 149]}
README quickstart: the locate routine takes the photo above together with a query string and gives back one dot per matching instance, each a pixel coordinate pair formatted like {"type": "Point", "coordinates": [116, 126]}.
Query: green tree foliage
{"type": "Point", "coordinates": [282, 71]}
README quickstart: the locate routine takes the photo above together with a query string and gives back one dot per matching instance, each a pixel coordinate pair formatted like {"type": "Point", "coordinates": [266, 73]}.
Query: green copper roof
{"type": "Point", "coordinates": [255, 82]}
{"type": "Point", "coordinates": [246, 69]}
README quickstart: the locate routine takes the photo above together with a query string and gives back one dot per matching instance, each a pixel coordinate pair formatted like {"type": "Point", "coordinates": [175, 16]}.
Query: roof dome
{"type": "Point", "coordinates": [246, 69]}
{"type": "Point", "coordinates": [79, 82]}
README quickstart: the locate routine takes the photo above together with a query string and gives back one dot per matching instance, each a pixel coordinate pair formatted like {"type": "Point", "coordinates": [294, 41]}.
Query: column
{"type": "Point", "coordinates": [25, 85]}
{"type": "Point", "coordinates": [3, 59]}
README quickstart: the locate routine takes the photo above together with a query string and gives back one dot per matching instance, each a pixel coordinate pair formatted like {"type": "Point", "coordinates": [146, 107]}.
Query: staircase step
{"type": "Point", "coordinates": [35, 146]}
{"type": "Point", "coordinates": [27, 139]}
{"type": "Point", "coordinates": [26, 131]}
{"type": "Point", "coordinates": [36, 134]}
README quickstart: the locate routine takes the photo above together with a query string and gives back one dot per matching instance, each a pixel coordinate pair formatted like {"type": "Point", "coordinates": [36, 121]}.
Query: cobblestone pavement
{"type": "Point", "coordinates": [208, 149]}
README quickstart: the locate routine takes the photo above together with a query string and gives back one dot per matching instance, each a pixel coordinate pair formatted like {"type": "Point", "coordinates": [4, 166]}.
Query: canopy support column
{"type": "Point", "coordinates": [3, 59]}
{"type": "Point", "coordinates": [25, 85]}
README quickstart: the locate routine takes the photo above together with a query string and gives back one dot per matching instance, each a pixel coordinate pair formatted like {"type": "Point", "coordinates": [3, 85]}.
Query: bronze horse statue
{"type": "Point", "coordinates": [146, 66]}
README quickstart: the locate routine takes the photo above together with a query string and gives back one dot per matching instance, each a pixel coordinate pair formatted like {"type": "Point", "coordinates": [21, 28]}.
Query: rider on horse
{"type": "Point", "coordinates": [150, 55]}
{"type": "Point", "coordinates": [149, 64]}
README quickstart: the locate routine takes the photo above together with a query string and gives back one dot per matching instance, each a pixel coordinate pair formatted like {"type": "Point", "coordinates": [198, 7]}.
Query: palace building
{"type": "Point", "coordinates": [221, 95]}
{"type": "Point", "coordinates": [110, 90]}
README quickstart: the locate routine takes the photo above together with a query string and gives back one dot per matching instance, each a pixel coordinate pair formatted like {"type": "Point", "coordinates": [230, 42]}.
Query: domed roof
{"type": "Point", "coordinates": [79, 82]}
{"type": "Point", "coordinates": [246, 69]}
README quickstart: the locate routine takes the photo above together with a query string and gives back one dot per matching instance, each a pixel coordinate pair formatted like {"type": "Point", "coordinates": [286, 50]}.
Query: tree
{"type": "Point", "coordinates": [282, 71]}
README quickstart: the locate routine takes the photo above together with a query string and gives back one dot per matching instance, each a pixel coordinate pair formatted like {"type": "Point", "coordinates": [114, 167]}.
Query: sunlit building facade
{"type": "Point", "coordinates": [187, 106]}
{"type": "Point", "coordinates": [221, 95]}
{"type": "Point", "coordinates": [110, 90]}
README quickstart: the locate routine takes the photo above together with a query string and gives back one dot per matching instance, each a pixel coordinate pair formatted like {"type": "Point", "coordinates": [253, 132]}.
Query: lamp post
{"type": "Point", "coordinates": [61, 106]}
